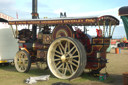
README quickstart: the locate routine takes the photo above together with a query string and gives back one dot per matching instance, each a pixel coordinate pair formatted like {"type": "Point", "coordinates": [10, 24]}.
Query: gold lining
{"type": "Point", "coordinates": [93, 47]}
{"type": "Point", "coordinates": [96, 39]}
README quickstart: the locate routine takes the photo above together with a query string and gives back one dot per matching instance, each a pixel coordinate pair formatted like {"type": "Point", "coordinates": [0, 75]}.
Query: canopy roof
{"type": "Point", "coordinates": [3, 20]}
{"type": "Point", "coordinates": [123, 11]}
{"type": "Point", "coordinates": [87, 21]}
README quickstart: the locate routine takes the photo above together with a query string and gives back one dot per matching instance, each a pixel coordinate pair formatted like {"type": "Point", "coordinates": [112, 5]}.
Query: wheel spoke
{"type": "Point", "coordinates": [72, 68]}
{"type": "Point", "coordinates": [57, 59]}
{"type": "Point", "coordinates": [73, 64]}
{"type": "Point", "coordinates": [18, 62]}
{"type": "Point", "coordinates": [58, 52]}
{"type": "Point", "coordinates": [57, 55]}
{"type": "Point", "coordinates": [19, 66]}
{"type": "Point", "coordinates": [75, 56]}
{"type": "Point", "coordinates": [25, 58]}
{"type": "Point", "coordinates": [66, 46]}
{"type": "Point", "coordinates": [18, 56]}
{"type": "Point", "coordinates": [75, 60]}
{"type": "Point", "coordinates": [60, 66]}
{"type": "Point", "coordinates": [71, 50]}
{"type": "Point", "coordinates": [68, 68]}
{"type": "Point", "coordinates": [61, 46]}
{"type": "Point", "coordinates": [65, 70]}
{"type": "Point", "coordinates": [74, 52]}
{"type": "Point", "coordinates": [58, 63]}
{"type": "Point", "coordinates": [22, 56]}
{"type": "Point", "coordinates": [22, 67]}
{"type": "Point", "coordinates": [25, 62]}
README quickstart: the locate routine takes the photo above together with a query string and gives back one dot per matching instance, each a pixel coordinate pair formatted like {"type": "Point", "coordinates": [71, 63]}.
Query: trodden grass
{"type": "Point", "coordinates": [9, 76]}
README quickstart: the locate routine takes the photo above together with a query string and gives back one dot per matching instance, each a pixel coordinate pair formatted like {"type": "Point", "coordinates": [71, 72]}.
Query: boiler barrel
{"type": "Point", "coordinates": [40, 46]}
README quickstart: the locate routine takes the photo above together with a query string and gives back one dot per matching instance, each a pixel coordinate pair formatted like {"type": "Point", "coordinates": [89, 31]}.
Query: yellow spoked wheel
{"type": "Point", "coordinates": [22, 61]}
{"type": "Point", "coordinates": [66, 58]}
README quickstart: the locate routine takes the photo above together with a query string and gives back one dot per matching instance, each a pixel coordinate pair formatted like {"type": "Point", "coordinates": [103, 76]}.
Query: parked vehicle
{"type": "Point", "coordinates": [8, 46]}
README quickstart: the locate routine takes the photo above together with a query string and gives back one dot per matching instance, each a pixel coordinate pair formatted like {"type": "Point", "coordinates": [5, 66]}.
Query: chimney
{"type": "Point", "coordinates": [34, 16]}
{"type": "Point", "coordinates": [34, 9]}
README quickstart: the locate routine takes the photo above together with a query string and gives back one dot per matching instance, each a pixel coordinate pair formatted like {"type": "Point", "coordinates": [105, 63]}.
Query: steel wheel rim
{"type": "Point", "coordinates": [21, 61]}
{"type": "Point", "coordinates": [64, 58]}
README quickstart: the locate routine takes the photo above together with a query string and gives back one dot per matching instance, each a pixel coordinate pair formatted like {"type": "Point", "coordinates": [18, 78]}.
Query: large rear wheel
{"type": "Point", "coordinates": [66, 58]}
{"type": "Point", "coordinates": [22, 61]}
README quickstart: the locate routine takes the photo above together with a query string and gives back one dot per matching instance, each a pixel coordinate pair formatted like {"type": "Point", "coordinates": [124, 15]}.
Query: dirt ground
{"type": "Point", "coordinates": [118, 64]}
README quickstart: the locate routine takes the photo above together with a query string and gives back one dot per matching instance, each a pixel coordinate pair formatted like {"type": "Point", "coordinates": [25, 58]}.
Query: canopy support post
{"type": "Point", "coordinates": [103, 28]}
{"type": "Point", "coordinates": [113, 29]}
{"type": "Point", "coordinates": [110, 29]}
{"type": "Point", "coordinates": [16, 32]}
{"type": "Point", "coordinates": [13, 31]}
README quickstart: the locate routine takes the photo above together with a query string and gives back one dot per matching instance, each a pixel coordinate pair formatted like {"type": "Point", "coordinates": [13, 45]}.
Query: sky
{"type": "Point", "coordinates": [73, 8]}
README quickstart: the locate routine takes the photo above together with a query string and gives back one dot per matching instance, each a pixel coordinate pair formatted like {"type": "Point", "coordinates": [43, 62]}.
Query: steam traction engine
{"type": "Point", "coordinates": [60, 45]}
{"type": "Point", "coordinates": [66, 51]}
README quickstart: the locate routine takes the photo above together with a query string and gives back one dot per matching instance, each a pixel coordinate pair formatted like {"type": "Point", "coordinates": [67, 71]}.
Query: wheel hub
{"type": "Point", "coordinates": [63, 58]}
{"type": "Point", "coordinates": [21, 61]}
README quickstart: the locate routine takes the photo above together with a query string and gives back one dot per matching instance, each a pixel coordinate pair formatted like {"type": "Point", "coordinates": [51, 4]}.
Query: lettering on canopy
{"type": "Point", "coordinates": [64, 21]}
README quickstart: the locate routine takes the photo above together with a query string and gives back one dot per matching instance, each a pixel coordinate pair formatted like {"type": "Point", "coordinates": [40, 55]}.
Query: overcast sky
{"type": "Point", "coordinates": [52, 8]}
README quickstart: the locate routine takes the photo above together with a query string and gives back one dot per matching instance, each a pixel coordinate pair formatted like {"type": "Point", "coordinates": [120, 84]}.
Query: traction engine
{"type": "Point", "coordinates": [58, 44]}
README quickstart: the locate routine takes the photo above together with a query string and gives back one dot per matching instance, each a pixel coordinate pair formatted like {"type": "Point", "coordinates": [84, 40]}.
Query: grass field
{"type": "Point", "coordinates": [118, 64]}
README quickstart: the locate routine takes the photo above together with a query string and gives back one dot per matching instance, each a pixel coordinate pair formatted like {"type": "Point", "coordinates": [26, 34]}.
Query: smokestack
{"type": "Point", "coordinates": [34, 16]}
{"type": "Point", "coordinates": [34, 9]}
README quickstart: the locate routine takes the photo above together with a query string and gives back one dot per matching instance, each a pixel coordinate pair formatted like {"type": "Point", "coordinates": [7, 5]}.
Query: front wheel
{"type": "Point", "coordinates": [66, 58]}
{"type": "Point", "coordinates": [22, 61]}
